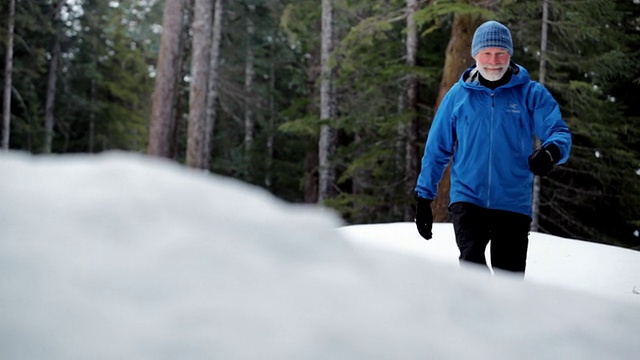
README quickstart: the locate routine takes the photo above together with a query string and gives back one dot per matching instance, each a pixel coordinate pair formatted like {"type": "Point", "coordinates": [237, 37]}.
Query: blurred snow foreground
{"type": "Point", "coordinates": [120, 256]}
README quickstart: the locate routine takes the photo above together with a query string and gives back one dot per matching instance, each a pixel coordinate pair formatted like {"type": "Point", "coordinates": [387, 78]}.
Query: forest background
{"type": "Point", "coordinates": [323, 101]}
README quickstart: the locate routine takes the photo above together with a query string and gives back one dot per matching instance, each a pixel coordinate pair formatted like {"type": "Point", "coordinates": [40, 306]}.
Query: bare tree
{"type": "Point", "coordinates": [167, 72]}
{"type": "Point", "coordinates": [49, 118]}
{"type": "Point", "coordinates": [411, 152]}
{"type": "Point", "coordinates": [201, 54]}
{"type": "Point", "coordinates": [8, 70]}
{"type": "Point", "coordinates": [249, 74]}
{"type": "Point", "coordinates": [542, 79]}
{"type": "Point", "coordinates": [212, 92]}
{"type": "Point", "coordinates": [180, 108]}
{"type": "Point", "coordinates": [272, 120]}
{"type": "Point", "coordinates": [92, 95]}
{"type": "Point", "coordinates": [326, 143]}
{"type": "Point", "coordinates": [456, 61]}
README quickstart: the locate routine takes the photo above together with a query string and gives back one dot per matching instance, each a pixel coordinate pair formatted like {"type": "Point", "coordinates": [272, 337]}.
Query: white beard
{"type": "Point", "coordinates": [491, 76]}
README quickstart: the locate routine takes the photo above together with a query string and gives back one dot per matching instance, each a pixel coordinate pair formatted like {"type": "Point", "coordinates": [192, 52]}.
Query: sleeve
{"type": "Point", "coordinates": [548, 123]}
{"type": "Point", "coordinates": [439, 147]}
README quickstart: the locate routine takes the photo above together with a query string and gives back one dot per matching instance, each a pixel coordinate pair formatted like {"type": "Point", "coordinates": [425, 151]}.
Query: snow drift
{"type": "Point", "coordinates": [121, 256]}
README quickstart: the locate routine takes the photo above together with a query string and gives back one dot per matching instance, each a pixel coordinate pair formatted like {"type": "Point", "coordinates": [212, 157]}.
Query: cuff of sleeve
{"type": "Point", "coordinates": [554, 151]}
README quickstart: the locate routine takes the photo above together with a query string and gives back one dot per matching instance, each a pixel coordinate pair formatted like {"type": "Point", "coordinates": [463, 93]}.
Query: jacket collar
{"type": "Point", "coordinates": [470, 77]}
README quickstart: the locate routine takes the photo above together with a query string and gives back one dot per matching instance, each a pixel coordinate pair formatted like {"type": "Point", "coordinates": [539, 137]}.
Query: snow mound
{"type": "Point", "coordinates": [122, 256]}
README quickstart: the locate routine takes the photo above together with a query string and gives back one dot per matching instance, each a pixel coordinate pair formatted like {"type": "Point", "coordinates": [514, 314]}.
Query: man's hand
{"type": "Point", "coordinates": [542, 161]}
{"type": "Point", "coordinates": [424, 218]}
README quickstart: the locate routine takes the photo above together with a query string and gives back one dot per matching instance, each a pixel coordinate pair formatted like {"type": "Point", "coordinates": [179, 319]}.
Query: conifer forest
{"type": "Point", "coordinates": [323, 101]}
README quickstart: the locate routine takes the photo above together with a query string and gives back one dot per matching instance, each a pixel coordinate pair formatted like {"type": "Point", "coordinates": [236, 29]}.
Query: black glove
{"type": "Point", "coordinates": [424, 218]}
{"type": "Point", "coordinates": [541, 162]}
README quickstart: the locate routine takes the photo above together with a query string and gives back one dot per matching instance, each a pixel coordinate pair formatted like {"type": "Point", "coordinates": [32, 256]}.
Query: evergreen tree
{"type": "Point", "coordinates": [591, 52]}
{"type": "Point", "coordinates": [32, 35]}
{"type": "Point", "coordinates": [199, 83]}
{"type": "Point", "coordinates": [8, 77]}
{"type": "Point", "coordinates": [109, 54]}
{"type": "Point", "coordinates": [108, 83]}
{"type": "Point", "coordinates": [168, 71]}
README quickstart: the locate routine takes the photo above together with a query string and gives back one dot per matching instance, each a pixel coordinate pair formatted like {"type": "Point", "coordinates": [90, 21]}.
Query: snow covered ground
{"type": "Point", "coordinates": [120, 256]}
{"type": "Point", "coordinates": [601, 270]}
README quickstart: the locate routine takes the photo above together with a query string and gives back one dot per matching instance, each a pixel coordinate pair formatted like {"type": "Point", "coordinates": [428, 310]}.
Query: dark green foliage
{"type": "Point", "coordinates": [279, 89]}
{"type": "Point", "coordinates": [591, 65]}
{"type": "Point", "coordinates": [109, 79]}
{"type": "Point", "coordinates": [33, 34]}
{"type": "Point", "coordinates": [103, 75]}
{"type": "Point", "coordinates": [370, 63]}
{"type": "Point", "coordinates": [105, 83]}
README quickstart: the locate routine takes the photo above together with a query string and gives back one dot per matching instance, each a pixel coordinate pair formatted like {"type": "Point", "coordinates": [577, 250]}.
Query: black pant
{"type": "Point", "coordinates": [508, 232]}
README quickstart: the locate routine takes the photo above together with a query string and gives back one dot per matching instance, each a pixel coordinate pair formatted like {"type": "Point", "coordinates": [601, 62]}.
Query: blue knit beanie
{"type": "Point", "coordinates": [491, 34]}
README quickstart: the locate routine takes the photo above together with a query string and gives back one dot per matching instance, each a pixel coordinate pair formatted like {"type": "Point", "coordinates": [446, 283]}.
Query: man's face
{"type": "Point", "coordinates": [492, 62]}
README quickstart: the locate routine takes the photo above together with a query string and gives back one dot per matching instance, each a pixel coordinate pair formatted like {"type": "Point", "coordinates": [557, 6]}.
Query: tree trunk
{"type": "Point", "coordinates": [311, 182]}
{"type": "Point", "coordinates": [164, 94]}
{"type": "Point", "coordinates": [91, 129]}
{"type": "Point", "coordinates": [49, 118]}
{"type": "Point", "coordinates": [326, 143]}
{"type": "Point", "coordinates": [411, 154]}
{"type": "Point", "coordinates": [457, 59]}
{"type": "Point", "coordinates": [8, 70]}
{"type": "Point", "coordinates": [212, 92]}
{"type": "Point", "coordinates": [400, 149]}
{"type": "Point", "coordinates": [272, 120]}
{"type": "Point", "coordinates": [200, 59]}
{"type": "Point", "coordinates": [535, 208]}
{"type": "Point", "coordinates": [249, 74]}
{"type": "Point", "coordinates": [178, 133]}
{"type": "Point", "coordinates": [92, 100]}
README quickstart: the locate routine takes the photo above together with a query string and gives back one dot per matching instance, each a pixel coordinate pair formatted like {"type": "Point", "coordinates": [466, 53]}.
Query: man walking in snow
{"type": "Point", "coordinates": [487, 122]}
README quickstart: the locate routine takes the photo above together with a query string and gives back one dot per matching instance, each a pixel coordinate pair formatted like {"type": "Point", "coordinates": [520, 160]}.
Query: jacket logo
{"type": "Point", "coordinates": [513, 108]}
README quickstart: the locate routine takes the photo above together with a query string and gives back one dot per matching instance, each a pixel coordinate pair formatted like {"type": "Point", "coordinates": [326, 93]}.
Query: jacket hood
{"type": "Point", "coordinates": [519, 76]}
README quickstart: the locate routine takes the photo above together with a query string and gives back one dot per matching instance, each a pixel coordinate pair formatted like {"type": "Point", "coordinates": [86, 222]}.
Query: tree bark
{"type": "Point", "coordinates": [249, 74]}
{"type": "Point", "coordinates": [272, 121]}
{"type": "Point", "coordinates": [326, 143]}
{"type": "Point", "coordinates": [178, 133]}
{"type": "Point", "coordinates": [201, 52]}
{"type": "Point", "coordinates": [167, 70]}
{"type": "Point", "coordinates": [311, 183]}
{"type": "Point", "coordinates": [92, 101]}
{"type": "Point", "coordinates": [49, 118]}
{"type": "Point", "coordinates": [400, 158]}
{"type": "Point", "coordinates": [411, 154]}
{"type": "Point", "coordinates": [535, 208]}
{"type": "Point", "coordinates": [91, 129]}
{"type": "Point", "coordinates": [212, 92]}
{"type": "Point", "coordinates": [8, 71]}
{"type": "Point", "coordinates": [458, 58]}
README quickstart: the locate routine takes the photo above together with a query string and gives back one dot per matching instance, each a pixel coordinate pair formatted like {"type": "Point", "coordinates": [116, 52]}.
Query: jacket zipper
{"type": "Point", "coordinates": [490, 150]}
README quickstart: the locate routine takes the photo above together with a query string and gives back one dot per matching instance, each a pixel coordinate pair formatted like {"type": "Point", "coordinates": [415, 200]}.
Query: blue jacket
{"type": "Point", "coordinates": [490, 135]}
